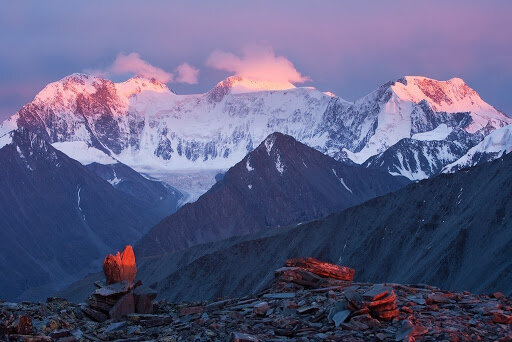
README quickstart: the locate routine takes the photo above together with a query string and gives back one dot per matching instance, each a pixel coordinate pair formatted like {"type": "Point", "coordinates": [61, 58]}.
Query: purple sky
{"type": "Point", "coordinates": [347, 47]}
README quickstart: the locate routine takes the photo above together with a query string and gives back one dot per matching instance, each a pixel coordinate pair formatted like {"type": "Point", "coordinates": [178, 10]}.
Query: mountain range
{"type": "Point", "coordinates": [85, 168]}
{"type": "Point", "coordinates": [146, 126]}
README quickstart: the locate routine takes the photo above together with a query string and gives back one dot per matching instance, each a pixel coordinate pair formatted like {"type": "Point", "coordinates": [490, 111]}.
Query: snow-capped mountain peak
{"type": "Point", "coordinates": [416, 104]}
{"type": "Point", "coordinates": [138, 84]}
{"type": "Point", "coordinates": [70, 87]}
{"type": "Point", "coordinates": [240, 85]}
{"type": "Point", "coordinates": [451, 96]}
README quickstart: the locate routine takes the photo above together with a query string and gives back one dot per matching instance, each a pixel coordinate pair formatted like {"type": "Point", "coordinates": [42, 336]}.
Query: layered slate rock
{"type": "Point", "coordinates": [283, 311]}
{"type": "Point", "coordinates": [121, 296]}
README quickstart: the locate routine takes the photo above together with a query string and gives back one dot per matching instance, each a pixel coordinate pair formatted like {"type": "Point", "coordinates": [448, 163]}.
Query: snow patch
{"type": "Point", "coordinates": [245, 85]}
{"type": "Point", "coordinates": [114, 181]}
{"type": "Point", "coordinates": [279, 164]}
{"type": "Point", "coordinates": [5, 140]}
{"type": "Point", "coordinates": [78, 203]}
{"type": "Point", "coordinates": [342, 181]}
{"type": "Point", "coordinates": [248, 165]}
{"type": "Point", "coordinates": [441, 132]}
{"type": "Point", "coordinates": [269, 143]}
{"type": "Point", "coordinates": [85, 154]}
{"type": "Point", "coordinates": [9, 125]}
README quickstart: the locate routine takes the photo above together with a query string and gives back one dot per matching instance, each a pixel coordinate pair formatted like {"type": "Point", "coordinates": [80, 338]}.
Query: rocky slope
{"type": "Point", "coordinates": [302, 304]}
{"type": "Point", "coordinates": [146, 126]}
{"type": "Point", "coordinates": [451, 231]}
{"type": "Point", "coordinates": [280, 183]}
{"type": "Point", "coordinates": [57, 216]}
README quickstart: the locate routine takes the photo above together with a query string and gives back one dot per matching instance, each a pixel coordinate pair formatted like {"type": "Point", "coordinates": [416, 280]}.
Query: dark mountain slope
{"type": "Point", "coordinates": [159, 198]}
{"type": "Point", "coordinates": [280, 183]}
{"type": "Point", "coordinates": [56, 217]}
{"type": "Point", "coordinates": [454, 231]}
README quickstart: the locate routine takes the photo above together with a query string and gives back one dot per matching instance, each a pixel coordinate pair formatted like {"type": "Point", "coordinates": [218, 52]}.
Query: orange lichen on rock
{"type": "Point", "coordinates": [120, 267]}
{"type": "Point", "coordinates": [323, 269]}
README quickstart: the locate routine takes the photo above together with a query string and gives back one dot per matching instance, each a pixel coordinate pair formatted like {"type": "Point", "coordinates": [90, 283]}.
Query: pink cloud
{"type": "Point", "coordinates": [259, 63]}
{"type": "Point", "coordinates": [186, 73]}
{"type": "Point", "coordinates": [132, 63]}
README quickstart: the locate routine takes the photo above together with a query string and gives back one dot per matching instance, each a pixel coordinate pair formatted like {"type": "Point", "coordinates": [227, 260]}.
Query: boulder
{"type": "Point", "coordinates": [120, 267]}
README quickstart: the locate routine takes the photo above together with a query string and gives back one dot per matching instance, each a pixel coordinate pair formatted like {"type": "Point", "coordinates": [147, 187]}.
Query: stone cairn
{"type": "Point", "coordinates": [121, 295]}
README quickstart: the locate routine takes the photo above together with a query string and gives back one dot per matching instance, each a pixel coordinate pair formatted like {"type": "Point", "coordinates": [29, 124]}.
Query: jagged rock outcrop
{"type": "Point", "coordinates": [121, 266]}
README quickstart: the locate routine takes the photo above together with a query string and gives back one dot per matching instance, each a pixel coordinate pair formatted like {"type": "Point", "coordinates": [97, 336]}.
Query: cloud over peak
{"type": "Point", "coordinates": [133, 64]}
{"type": "Point", "coordinates": [257, 62]}
{"type": "Point", "coordinates": [186, 73]}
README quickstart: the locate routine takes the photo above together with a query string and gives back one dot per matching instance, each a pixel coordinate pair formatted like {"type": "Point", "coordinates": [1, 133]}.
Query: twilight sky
{"type": "Point", "coordinates": [347, 47]}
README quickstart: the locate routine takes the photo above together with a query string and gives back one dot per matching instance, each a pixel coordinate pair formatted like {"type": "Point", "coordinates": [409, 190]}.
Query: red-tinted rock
{"type": "Point", "coordinates": [299, 276]}
{"type": "Point", "coordinates": [388, 315]}
{"type": "Point", "coordinates": [501, 318]}
{"type": "Point", "coordinates": [438, 299]}
{"type": "Point", "coordinates": [323, 269]}
{"type": "Point", "coordinates": [120, 267]}
{"type": "Point", "coordinates": [24, 326]}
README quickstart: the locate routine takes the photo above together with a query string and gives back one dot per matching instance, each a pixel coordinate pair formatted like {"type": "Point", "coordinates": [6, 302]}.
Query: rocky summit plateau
{"type": "Point", "coordinates": [309, 300]}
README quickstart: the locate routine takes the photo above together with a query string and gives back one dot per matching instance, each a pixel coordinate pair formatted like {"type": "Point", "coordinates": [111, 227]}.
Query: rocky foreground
{"type": "Point", "coordinates": [309, 301]}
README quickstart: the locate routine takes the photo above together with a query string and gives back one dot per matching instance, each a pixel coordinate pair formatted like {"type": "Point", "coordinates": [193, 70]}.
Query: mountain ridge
{"type": "Point", "coordinates": [280, 182]}
{"type": "Point", "coordinates": [143, 124]}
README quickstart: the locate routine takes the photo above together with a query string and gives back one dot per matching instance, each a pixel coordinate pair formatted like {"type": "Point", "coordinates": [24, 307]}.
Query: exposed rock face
{"type": "Point", "coordinates": [347, 311]}
{"type": "Point", "coordinates": [120, 267]}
